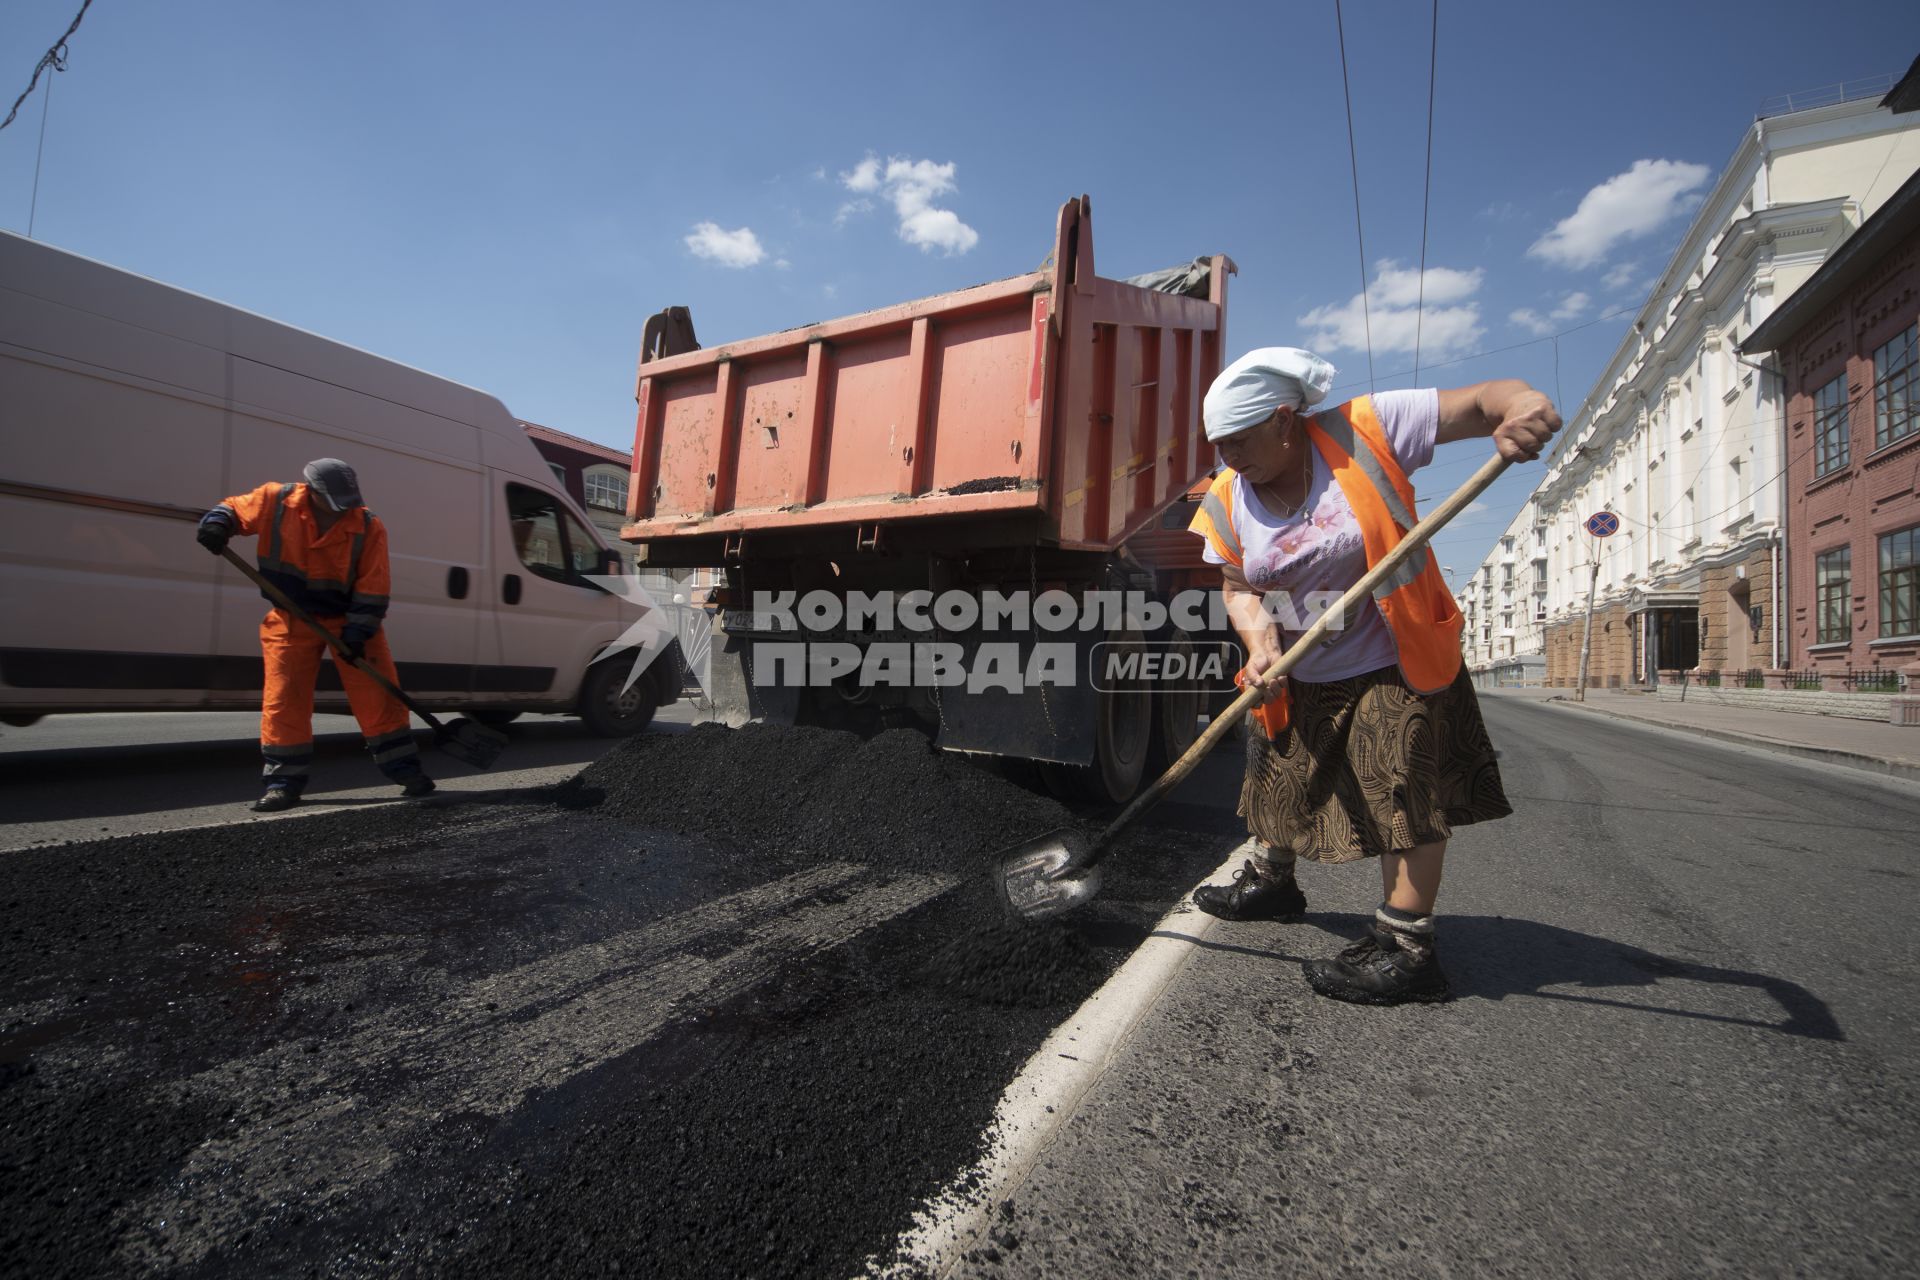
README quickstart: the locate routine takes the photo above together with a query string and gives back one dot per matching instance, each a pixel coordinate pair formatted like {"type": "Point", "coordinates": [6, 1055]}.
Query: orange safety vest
{"type": "Point", "coordinates": [341, 573]}
{"type": "Point", "coordinates": [1419, 610]}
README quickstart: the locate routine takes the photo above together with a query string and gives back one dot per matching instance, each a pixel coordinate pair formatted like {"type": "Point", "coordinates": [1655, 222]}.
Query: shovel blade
{"type": "Point", "coordinates": [1043, 878]}
{"type": "Point", "coordinates": [472, 743]}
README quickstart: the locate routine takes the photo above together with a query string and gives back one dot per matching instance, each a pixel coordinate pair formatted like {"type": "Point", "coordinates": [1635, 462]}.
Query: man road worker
{"type": "Point", "coordinates": [321, 546]}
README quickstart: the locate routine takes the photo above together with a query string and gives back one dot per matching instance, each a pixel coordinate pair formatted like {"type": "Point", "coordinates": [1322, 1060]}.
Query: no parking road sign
{"type": "Point", "coordinates": [1603, 524]}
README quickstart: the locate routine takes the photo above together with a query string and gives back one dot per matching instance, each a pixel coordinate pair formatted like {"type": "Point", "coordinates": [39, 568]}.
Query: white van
{"type": "Point", "coordinates": [127, 408]}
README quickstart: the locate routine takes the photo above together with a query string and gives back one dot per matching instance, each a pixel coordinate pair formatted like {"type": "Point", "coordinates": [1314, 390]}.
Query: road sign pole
{"type": "Point", "coordinates": [1601, 524]}
{"type": "Point", "coordinates": [1586, 642]}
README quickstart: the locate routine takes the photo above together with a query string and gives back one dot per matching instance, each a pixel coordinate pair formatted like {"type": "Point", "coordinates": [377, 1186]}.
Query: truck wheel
{"type": "Point", "coordinates": [609, 710]}
{"type": "Point", "coordinates": [1122, 733]}
{"type": "Point", "coordinates": [1176, 714]}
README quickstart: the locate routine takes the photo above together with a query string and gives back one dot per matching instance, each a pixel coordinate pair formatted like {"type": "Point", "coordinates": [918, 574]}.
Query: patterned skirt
{"type": "Point", "coordinates": [1367, 766]}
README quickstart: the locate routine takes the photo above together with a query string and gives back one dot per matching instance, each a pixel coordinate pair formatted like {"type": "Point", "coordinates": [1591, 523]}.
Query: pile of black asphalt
{"type": "Point", "coordinates": [789, 1128]}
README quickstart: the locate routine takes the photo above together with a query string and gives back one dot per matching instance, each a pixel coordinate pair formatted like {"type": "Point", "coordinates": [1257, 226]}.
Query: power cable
{"type": "Point", "coordinates": [1426, 197]}
{"type": "Point", "coordinates": [1494, 351]}
{"type": "Point", "coordinates": [1353, 156]}
{"type": "Point", "coordinates": [54, 58]}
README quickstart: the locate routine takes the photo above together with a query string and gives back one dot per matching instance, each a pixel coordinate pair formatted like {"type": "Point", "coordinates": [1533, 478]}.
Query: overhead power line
{"type": "Point", "coordinates": [1426, 198]}
{"type": "Point", "coordinates": [1353, 155]}
{"type": "Point", "coordinates": [53, 59]}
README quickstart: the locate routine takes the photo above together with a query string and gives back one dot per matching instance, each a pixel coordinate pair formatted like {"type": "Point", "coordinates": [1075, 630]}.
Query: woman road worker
{"type": "Point", "coordinates": [1373, 747]}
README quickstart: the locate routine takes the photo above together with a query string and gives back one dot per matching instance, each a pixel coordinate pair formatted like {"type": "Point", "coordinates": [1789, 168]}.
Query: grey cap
{"type": "Point", "coordinates": [335, 482]}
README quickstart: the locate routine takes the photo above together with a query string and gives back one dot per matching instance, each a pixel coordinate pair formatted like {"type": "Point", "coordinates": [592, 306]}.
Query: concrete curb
{"type": "Point", "coordinates": [1901, 769]}
{"type": "Point", "coordinates": [1048, 1091]}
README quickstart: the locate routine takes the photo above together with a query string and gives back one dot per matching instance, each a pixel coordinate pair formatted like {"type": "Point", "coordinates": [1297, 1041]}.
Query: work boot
{"type": "Point", "coordinates": [1388, 966]}
{"type": "Point", "coordinates": [416, 786]}
{"type": "Point", "coordinates": [1252, 896]}
{"type": "Point", "coordinates": [278, 796]}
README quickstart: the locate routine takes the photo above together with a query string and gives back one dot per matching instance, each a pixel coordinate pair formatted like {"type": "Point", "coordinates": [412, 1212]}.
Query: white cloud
{"type": "Point", "coordinates": [1471, 507]}
{"type": "Point", "coordinates": [1621, 276]}
{"type": "Point", "coordinates": [911, 186]}
{"type": "Point", "coordinates": [1532, 321]}
{"type": "Point", "coordinates": [781, 264]}
{"type": "Point", "coordinates": [830, 290]}
{"type": "Point", "coordinates": [864, 176]}
{"type": "Point", "coordinates": [1572, 307]}
{"type": "Point", "coordinates": [819, 173]}
{"type": "Point", "coordinates": [738, 248]}
{"type": "Point", "coordinates": [1445, 322]}
{"type": "Point", "coordinates": [1626, 206]}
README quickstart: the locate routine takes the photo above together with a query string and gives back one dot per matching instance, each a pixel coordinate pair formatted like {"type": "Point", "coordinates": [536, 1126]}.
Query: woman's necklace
{"type": "Point", "coordinates": [1287, 510]}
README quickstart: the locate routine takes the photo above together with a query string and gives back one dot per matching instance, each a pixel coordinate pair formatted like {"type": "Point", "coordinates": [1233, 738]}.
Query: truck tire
{"type": "Point", "coordinates": [1176, 714]}
{"type": "Point", "coordinates": [609, 710]}
{"type": "Point", "coordinates": [1123, 732]}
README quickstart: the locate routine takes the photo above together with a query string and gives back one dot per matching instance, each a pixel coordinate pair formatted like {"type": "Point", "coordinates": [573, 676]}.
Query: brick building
{"type": "Point", "coordinates": [594, 475]}
{"type": "Point", "coordinates": [1845, 345]}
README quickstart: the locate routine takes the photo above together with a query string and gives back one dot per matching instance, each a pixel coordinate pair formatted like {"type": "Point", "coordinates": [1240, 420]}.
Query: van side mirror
{"type": "Point", "coordinates": [609, 563]}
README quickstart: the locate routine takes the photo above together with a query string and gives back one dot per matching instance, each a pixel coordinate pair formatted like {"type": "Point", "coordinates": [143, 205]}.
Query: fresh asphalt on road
{"type": "Point", "coordinates": [81, 777]}
{"type": "Point", "coordinates": [504, 1043]}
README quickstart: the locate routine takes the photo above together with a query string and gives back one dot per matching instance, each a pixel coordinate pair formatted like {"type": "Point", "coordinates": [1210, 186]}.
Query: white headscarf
{"type": "Point", "coordinates": [1248, 391]}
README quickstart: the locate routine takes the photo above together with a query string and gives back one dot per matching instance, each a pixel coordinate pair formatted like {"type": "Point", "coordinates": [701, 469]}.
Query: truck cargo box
{"type": "Point", "coordinates": [1055, 408]}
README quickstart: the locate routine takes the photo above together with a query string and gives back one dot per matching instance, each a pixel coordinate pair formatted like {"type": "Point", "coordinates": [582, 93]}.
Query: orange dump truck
{"type": "Point", "coordinates": [989, 486]}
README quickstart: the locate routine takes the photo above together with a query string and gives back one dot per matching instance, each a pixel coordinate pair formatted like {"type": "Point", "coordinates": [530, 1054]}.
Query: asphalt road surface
{"type": "Point", "coordinates": [518, 1035]}
{"type": "Point", "coordinates": [79, 777]}
{"type": "Point", "coordinates": [1684, 1044]}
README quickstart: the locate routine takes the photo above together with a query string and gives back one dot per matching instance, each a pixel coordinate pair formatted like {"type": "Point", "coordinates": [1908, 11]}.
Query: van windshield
{"type": "Point", "coordinates": [548, 539]}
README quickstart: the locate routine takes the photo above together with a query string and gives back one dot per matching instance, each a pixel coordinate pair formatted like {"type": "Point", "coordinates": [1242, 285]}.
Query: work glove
{"type": "Point", "coordinates": [354, 639]}
{"type": "Point", "coordinates": [213, 535]}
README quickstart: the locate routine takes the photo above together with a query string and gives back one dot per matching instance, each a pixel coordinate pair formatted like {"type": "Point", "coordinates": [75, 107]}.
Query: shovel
{"type": "Point", "coordinates": [464, 740]}
{"type": "Point", "coordinates": [1059, 871]}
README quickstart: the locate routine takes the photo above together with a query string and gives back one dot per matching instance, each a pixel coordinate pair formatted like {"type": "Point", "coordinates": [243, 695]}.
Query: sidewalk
{"type": "Point", "coordinates": [1893, 750]}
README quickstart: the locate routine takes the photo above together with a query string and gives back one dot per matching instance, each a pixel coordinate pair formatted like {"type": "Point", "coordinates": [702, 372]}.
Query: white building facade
{"type": "Point", "coordinates": [1681, 438]}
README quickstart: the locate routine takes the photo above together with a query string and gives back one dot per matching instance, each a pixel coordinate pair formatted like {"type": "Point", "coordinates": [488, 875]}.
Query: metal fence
{"type": "Point", "coordinates": [1801, 680]}
{"type": "Point", "coordinates": [1871, 680]}
{"type": "Point", "coordinates": [1827, 95]}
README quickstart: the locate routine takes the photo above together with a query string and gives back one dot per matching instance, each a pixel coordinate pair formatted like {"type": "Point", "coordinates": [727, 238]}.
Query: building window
{"type": "Point", "coordinates": [607, 488]}
{"type": "Point", "coordinates": [1900, 583]}
{"type": "Point", "coordinates": [559, 473]}
{"type": "Point", "coordinates": [1832, 583]}
{"type": "Point", "coordinates": [1896, 381]}
{"type": "Point", "coordinates": [1830, 447]}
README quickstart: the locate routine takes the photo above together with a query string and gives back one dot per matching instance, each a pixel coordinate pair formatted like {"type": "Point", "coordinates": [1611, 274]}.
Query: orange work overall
{"type": "Point", "coordinates": [1419, 610]}
{"type": "Point", "coordinates": [341, 578]}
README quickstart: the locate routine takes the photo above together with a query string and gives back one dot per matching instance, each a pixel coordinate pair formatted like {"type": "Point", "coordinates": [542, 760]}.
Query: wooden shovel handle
{"type": "Point", "coordinates": [334, 642]}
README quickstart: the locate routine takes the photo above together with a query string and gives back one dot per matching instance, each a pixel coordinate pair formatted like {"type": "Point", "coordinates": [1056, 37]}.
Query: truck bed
{"type": "Point", "coordinates": [1053, 408]}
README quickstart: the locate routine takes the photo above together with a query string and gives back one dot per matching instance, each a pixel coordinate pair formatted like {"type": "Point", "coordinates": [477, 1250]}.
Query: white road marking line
{"type": "Point", "coordinates": [504, 1037]}
{"type": "Point", "coordinates": [1044, 1096]}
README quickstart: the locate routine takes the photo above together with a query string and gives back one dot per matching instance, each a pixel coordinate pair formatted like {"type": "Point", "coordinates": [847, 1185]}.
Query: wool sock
{"type": "Point", "coordinates": [1273, 865]}
{"type": "Point", "coordinates": [1413, 931]}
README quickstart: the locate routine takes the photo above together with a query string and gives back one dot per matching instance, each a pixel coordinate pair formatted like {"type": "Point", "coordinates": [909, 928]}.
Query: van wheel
{"type": "Point", "coordinates": [609, 710]}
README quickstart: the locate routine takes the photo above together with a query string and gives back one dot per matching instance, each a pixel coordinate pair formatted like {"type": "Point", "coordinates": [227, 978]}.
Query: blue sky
{"type": "Point", "coordinates": [502, 193]}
